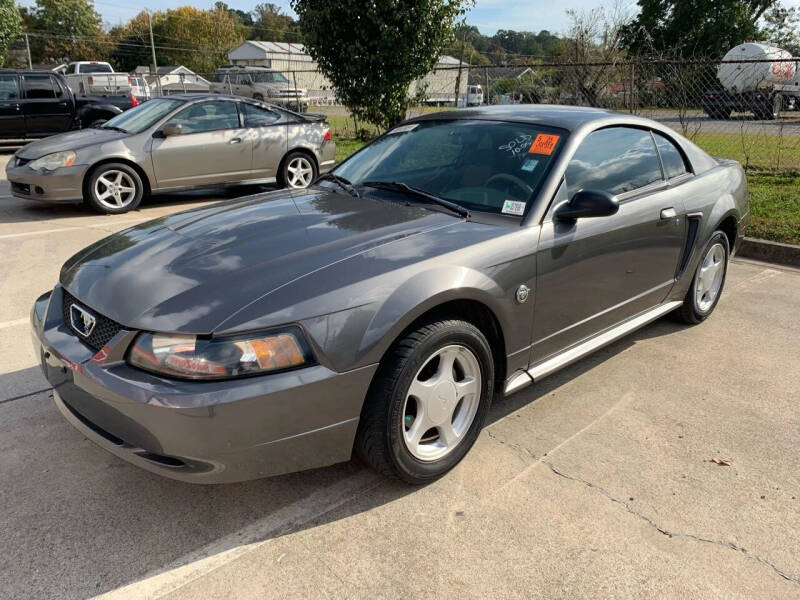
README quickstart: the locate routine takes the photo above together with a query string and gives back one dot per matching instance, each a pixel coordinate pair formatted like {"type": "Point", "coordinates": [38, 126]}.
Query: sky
{"type": "Point", "coordinates": [487, 15]}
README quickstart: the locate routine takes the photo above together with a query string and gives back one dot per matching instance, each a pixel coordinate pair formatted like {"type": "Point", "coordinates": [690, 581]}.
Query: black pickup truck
{"type": "Point", "coordinates": [36, 104]}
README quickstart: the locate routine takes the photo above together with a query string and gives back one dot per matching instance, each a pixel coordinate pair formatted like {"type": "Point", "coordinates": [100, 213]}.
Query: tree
{"type": "Point", "coordinates": [372, 51]}
{"type": "Point", "coordinates": [782, 28]}
{"type": "Point", "coordinates": [272, 25]}
{"type": "Point", "coordinates": [10, 26]}
{"type": "Point", "coordinates": [71, 31]}
{"type": "Point", "coordinates": [694, 28]}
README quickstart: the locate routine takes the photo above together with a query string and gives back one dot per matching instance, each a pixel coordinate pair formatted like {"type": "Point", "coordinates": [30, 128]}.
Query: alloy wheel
{"type": "Point", "coordinates": [299, 172]}
{"type": "Point", "coordinates": [441, 402]}
{"type": "Point", "coordinates": [709, 277]}
{"type": "Point", "coordinates": [114, 189]}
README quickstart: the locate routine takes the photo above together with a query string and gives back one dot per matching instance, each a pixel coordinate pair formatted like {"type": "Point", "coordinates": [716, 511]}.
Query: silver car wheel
{"type": "Point", "coordinates": [709, 277]}
{"type": "Point", "coordinates": [299, 172]}
{"type": "Point", "coordinates": [441, 402]}
{"type": "Point", "coordinates": [114, 189]}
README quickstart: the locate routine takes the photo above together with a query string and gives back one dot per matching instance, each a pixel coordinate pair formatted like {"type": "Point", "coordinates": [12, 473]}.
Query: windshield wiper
{"type": "Point", "coordinates": [343, 183]}
{"type": "Point", "coordinates": [399, 186]}
{"type": "Point", "coordinates": [112, 127]}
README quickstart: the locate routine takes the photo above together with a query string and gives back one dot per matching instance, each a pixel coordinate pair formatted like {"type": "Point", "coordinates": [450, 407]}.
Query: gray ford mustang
{"type": "Point", "coordinates": [458, 256]}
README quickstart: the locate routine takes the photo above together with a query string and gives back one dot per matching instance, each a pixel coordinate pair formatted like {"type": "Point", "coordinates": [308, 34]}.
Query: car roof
{"type": "Point", "coordinates": [565, 117]}
{"type": "Point", "coordinates": [29, 72]}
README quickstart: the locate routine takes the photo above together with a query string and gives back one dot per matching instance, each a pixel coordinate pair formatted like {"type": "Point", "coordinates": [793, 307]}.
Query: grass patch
{"type": "Point", "coordinates": [774, 207]}
{"type": "Point", "coordinates": [753, 150]}
{"type": "Point", "coordinates": [345, 147]}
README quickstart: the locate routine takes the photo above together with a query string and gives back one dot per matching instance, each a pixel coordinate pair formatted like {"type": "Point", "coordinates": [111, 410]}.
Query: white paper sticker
{"type": "Point", "coordinates": [513, 207]}
{"type": "Point", "coordinates": [404, 128]}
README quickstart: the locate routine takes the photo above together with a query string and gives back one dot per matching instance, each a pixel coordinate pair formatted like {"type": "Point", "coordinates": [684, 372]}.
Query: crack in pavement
{"type": "Point", "coordinates": [670, 534]}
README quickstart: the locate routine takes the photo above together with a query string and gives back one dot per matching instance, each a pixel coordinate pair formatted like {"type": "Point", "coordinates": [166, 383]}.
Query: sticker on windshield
{"type": "Point", "coordinates": [404, 128]}
{"type": "Point", "coordinates": [513, 207]}
{"type": "Point", "coordinates": [544, 143]}
{"type": "Point", "coordinates": [516, 147]}
{"type": "Point", "coordinates": [529, 165]}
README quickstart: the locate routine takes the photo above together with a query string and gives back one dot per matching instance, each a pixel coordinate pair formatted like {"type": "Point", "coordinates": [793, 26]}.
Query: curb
{"type": "Point", "coordinates": [775, 252]}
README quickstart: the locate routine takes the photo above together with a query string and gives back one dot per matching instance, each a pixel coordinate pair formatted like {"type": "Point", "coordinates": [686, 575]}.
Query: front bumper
{"type": "Point", "coordinates": [62, 185]}
{"type": "Point", "coordinates": [199, 432]}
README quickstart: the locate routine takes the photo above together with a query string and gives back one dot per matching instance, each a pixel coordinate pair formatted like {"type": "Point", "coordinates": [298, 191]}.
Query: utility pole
{"type": "Point", "coordinates": [460, 64]}
{"type": "Point", "coordinates": [153, 49]}
{"type": "Point", "coordinates": [28, 50]}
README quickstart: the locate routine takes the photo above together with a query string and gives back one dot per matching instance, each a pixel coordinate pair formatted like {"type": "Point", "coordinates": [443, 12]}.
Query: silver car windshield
{"type": "Point", "coordinates": [487, 166]}
{"type": "Point", "coordinates": [139, 118]}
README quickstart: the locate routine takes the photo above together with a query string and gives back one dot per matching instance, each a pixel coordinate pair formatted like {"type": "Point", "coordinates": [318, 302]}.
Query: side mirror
{"type": "Point", "coordinates": [171, 129]}
{"type": "Point", "coordinates": [588, 203]}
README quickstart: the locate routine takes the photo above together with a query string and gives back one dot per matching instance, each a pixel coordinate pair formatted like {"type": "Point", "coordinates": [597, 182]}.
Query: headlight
{"type": "Point", "coordinates": [219, 358]}
{"type": "Point", "coordinates": [54, 161]}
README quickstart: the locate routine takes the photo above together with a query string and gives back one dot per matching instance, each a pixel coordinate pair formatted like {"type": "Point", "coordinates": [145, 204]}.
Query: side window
{"type": "Point", "coordinates": [9, 88]}
{"type": "Point", "coordinates": [71, 69]}
{"type": "Point", "coordinates": [208, 116]}
{"type": "Point", "coordinates": [617, 160]}
{"type": "Point", "coordinates": [255, 116]}
{"type": "Point", "coordinates": [57, 88]}
{"type": "Point", "coordinates": [38, 87]}
{"type": "Point", "coordinates": [243, 79]}
{"type": "Point", "coordinates": [671, 157]}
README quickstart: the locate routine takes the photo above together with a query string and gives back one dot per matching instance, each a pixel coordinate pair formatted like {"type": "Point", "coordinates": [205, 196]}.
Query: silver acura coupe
{"type": "Point", "coordinates": [170, 144]}
{"type": "Point", "coordinates": [459, 255]}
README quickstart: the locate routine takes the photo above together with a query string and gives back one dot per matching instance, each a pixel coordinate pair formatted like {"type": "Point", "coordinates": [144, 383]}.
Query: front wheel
{"type": "Point", "coordinates": [114, 188]}
{"type": "Point", "coordinates": [708, 281]}
{"type": "Point", "coordinates": [428, 402]}
{"type": "Point", "coordinates": [298, 171]}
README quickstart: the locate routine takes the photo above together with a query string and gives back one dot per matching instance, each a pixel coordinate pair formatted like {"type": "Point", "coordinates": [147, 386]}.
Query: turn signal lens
{"type": "Point", "coordinates": [327, 136]}
{"type": "Point", "coordinates": [219, 358]}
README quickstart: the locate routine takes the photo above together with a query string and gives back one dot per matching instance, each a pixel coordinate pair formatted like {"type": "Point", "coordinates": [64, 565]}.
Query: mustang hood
{"type": "Point", "coordinates": [71, 140]}
{"type": "Point", "coordinates": [191, 271]}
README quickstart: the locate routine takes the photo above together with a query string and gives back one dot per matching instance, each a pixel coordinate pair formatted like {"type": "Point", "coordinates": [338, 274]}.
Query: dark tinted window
{"type": "Point", "coordinates": [255, 116]}
{"type": "Point", "coordinates": [208, 116]}
{"type": "Point", "coordinates": [9, 89]}
{"type": "Point", "coordinates": [485, 166]}
{"type": "Point", "coordinates": [39, 86]}
{"type": "Point", "coordinates": [96, 68]}
{"type": "Point", "coordinates": [617, 160]}
{"type": "Point", "coordinates": [670, 157]}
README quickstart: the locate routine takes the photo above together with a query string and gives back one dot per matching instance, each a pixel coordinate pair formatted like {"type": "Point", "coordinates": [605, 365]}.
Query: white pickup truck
{"type": "Point", "coordinates": [96, 78]}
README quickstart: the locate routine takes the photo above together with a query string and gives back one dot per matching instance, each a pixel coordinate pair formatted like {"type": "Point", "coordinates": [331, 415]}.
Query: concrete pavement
{"type": "Point", "coordinates": [596, 483]}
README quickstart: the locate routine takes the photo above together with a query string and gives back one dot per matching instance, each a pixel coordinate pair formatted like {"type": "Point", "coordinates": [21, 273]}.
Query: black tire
{"type": "Point", "coordinates": [106, 206]}
{"type": "Point", "coordinates": [380, 439]}
{"type": "Point", "coordinates": [284, 176]}
{"type": "Point", "coordinates": [97, 122]}
{"type": "Point", "coordinates": [690, 311]}
{"type": "Point", "coordinates": [258, 97]}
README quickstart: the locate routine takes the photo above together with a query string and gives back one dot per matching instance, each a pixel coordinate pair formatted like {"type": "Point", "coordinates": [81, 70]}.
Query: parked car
{"type": "Point", "coordinates": [259, 83]}
{"type": "Point", "coordinates": [460, 253]}
{"type": "Point", "coordinates": [175, 143]}
{"type": "Point", "coordinates": [91, 77]}
{"type": "Point", "coordinates": [140, 89]}
{"type": "Point", "coordinates": [36, 104]}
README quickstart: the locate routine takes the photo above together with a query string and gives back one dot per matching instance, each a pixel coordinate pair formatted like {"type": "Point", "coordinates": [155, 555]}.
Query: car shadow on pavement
{"type": "Point", "coordinates": [85, 522]}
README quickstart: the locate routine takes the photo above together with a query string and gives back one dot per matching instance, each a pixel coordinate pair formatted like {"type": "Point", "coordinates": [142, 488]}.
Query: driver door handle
{"type": "Point", "coordinates": [668, 213]}
{"type": "Point", "coordinates": [236, 140]}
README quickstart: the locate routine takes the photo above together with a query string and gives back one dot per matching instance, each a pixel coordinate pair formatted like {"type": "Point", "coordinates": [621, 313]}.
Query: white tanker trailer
{"type": "Point", "coordinates": [766, 87]}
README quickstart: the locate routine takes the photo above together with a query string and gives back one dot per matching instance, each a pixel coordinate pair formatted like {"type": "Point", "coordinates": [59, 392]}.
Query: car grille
{"type": "Point", "coordinates": [104, 329]}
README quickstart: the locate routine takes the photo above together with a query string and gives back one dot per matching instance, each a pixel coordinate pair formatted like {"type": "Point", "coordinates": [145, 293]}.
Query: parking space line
{"type": "Point", "coordinates": [13, 323]}
{"type": "Point", "coordinates": [72, 228]}
{"type": "Point", "coordinates": [226, 549]}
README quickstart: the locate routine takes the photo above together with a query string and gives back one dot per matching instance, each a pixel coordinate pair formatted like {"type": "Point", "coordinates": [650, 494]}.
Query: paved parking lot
{"type": "Point", "coordinates": [599, 482]}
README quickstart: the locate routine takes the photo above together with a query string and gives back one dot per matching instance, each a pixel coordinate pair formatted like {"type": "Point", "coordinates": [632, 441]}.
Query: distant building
{"type": "Point", "coordinates": [299, 68]}
{"type": "Point", "coordinates": [175, 79]}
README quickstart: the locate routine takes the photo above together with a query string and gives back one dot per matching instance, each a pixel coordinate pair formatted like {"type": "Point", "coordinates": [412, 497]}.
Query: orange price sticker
{"type": "Point", "coordinates": [543, 144]}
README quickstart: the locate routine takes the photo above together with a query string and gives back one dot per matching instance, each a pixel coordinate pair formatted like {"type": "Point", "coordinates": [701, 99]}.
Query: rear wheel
{"type": "Point", "coordinates": [428, 402]}
{"type": "Point", "coordinates": [114, 188]}
{"type": "Point", "coordinates": [708, 281]}
{"type": "Point", "coordinates": [298, 171]}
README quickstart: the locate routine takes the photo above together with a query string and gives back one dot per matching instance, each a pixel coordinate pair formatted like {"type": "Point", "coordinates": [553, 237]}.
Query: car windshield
{"type": "Point", "coordinates": [96, 68]}
{"type": "Point", "coordinates": [486, 166]}
{"type": "Point", "coordinates": [268, 77]}
{"type": "Point", "coordinates": [139, 118]}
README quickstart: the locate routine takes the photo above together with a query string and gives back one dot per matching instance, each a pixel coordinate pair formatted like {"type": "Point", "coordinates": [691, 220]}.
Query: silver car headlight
{"type": "Point", "coordinates": [188, 356]}
{"type": "Point", "coordinates": [54, 161]}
